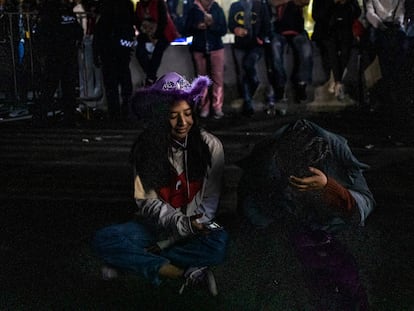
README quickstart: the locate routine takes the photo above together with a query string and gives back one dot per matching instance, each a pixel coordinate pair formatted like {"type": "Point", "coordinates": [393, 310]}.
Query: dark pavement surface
{"type": "Point", "coordinates": [60, 185]}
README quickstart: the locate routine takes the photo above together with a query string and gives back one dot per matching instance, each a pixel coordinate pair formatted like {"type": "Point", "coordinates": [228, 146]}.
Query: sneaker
{"type": "Point", "coordinates": [339, 91]}
{"type": "Point", "coordinates": [204, 114]}
{"type": "Point", "coordinates": [331, 87]}
{"type": "Point", "coordinates": [270, 109]}
{"type": "Point", "coordinates": [198, 275]}
{"type": "Point", "coordinates": [149, 81]}
{"type": "Point", "coordinates": [218, 115]}
{"type": "Point", "coordinates": [108, 273]}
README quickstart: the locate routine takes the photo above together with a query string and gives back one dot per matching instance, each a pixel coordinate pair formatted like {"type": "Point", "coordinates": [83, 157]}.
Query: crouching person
{"type": "Point", "coordinates": [308, 177]}
{"type": "Point", "coordinates": [178, 169]}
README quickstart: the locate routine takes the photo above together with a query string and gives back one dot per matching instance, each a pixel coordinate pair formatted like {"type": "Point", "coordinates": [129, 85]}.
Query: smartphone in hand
{"type": "Point", "coordinates": [212, 226]}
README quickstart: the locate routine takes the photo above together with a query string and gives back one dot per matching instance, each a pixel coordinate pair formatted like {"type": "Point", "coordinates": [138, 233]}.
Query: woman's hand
{"type": "Point", "coordinates": [240, 31]}
{"type": "Point", "coordinates": [202, 26]}
{"type": "Point", "coordinates": [196, 226]}
{"type": "Point", "coordinates": [208, 19]}
{"type": "Point", "coordinates": [317, 181]}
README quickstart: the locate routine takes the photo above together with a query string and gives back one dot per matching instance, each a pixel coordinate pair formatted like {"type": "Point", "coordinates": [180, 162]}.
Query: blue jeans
{"type": "Point", "coordinates": [247, 59]}
{"type": "Point", "coordinates": [302, 52]}
{"type": "Point", "coordinates": [123, 246]}
{"type": "Point", "coordinates": [390, 50]}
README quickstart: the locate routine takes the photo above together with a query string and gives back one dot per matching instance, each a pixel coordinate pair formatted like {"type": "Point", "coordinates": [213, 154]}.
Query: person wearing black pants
{"type": "Point", "coordinates": [333, 29]}
{"type": "Point", "coordinates": [113, 42]}
{"type": "Point", "coordinates": [59, 35]}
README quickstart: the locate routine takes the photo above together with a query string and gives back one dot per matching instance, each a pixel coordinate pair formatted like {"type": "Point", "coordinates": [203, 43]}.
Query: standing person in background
{"type": "Point", "coordinates": [178, 169]}
{"type": "Point", "coordinates": [288, 27]}
{"type": "Point", "coordinates": [387, 20]}
{"type": "Point", "coordinates": [112, 45]}
{"type": "Point", "coordinates": [93, 74]}
{"type": "Point", "coordinates": [207, 24]}
{"type": "Point", "coordinates": [81, 16]}
{"type": "Point", "coordinates": [156, 31]}
{"type": "Point", "coordinates": [58, 37]}
{"type": "Point", "coordinates": [7, 58]}
{"type": "Point", "coordinates": [249, 21]}
{"type": "Point", "coordinates": [333, 29]}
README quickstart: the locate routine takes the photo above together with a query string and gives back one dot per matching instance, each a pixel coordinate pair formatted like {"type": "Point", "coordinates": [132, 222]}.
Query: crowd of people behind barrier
{"type": "Point", "coordinates": [35, 49]}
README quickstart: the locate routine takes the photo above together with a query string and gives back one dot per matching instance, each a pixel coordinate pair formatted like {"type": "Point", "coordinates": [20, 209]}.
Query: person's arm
{"type": "Point", "coordinates": [400, 13]}
{"type": "Point", "coordinates": [219, 25]}
{"type": "Point", "coordinates": [212, 181]}
{"type": "Point", "coordinates": [232, 24]}
{"type": "Point", "coordinates": [372, 16]}
{"type": "Point", "coordinates": [149, 206]}
{"type": "Point", "coordinates": [265, 28]}
{"type": "Point", "coordinates": [190, 26]}
{"type": "Point", "coordinates": [337, 196]}
{"type": "Point", "coordinates": [347, 200]}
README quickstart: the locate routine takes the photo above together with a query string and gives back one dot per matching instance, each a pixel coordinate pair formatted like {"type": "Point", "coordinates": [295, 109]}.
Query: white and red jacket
{"type": "Point", "coordinates": [171, 206]}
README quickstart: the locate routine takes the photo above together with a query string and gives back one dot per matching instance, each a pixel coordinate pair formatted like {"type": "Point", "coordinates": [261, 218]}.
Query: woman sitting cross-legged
{"type": "Point", "coordinates": [178, 169]}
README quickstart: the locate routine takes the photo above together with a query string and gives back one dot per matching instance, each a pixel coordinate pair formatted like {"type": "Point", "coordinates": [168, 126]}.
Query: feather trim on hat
{"type": "Point", "coordinates": [155, 99]}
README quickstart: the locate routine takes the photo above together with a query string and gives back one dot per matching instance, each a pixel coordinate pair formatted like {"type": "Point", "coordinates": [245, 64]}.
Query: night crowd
{"type": "Point", "coordinates": [66, 50]}
{"type": "Point", "coordinates": [302, 171]}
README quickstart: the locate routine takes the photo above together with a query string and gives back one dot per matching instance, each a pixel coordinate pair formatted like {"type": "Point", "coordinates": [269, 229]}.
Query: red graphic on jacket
{"type": "Point", "coordinates": [176, 192]}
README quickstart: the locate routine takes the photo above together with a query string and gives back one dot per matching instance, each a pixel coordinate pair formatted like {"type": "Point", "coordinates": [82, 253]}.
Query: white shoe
{"type": "Point", "coordinates": [218, 115]}
{"type": "Point", "coordinates": [339, 91]}
{"type": "Point", "coordinates": [331, 87]}
{"type": "Point", "coordinates": [109, 273]}
{"type": "Point", "coordinates": [204, 114]}
{"type": "Point", "coordinates": [196, 275]}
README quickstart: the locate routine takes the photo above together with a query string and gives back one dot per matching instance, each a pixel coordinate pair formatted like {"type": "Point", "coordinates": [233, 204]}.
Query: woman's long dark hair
{"type": "Point", "coordinates": [149, 154]}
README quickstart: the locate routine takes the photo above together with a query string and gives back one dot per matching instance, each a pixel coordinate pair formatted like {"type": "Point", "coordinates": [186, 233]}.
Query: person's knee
{"type": "Point", "coordinates": [99, 241]}
{"type": "Point", "coordinates": [219, 240]}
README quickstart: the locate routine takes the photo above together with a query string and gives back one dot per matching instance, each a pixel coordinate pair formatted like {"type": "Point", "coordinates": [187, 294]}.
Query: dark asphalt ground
{"type": "Point", "coordinates": [58, 186]}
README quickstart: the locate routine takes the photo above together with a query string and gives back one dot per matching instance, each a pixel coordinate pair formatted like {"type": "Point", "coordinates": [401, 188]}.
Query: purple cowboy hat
{"type": "Point", "coordinates": [153, 100]}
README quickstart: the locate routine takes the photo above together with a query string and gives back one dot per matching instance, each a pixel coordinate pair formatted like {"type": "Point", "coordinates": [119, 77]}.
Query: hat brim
{"type": "Point", "coordinates": [150, 101]}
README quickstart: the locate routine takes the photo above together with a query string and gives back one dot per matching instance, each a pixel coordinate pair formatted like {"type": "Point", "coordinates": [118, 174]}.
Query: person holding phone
{"type": "Point", "coordinates": [178, 169]}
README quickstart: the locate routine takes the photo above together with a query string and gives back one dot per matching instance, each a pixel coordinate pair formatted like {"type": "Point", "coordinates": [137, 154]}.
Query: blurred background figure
{"type": "Point", "coordinates": [112, 46]}
{"type": "Point", "coordinates": [179, 10]}
{"type": "Point", "coordinates": [156, 31]}
{"type": "Point", "coordinates": [6, 63]}
{"type": "Point", "coordinates": [333, 29]}
{"type": "Point", "coordinates": [288, 28]}
{"type": "Point", "coordinates": [207, 24]}
{"type": "Point", "coordinates": [90, 77]}
{"type": "Point", "coordinates": [250, 23]}
{"type": "Point", "coordinates": [58, 37]}
{"type": "Point", "coordinates": [387, 33]}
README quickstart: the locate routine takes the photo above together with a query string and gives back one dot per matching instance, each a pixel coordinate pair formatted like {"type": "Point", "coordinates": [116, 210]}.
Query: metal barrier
{"type": "Point", "coordinates": [16, 56]}
{"type": "Point", "coordinates": [20, 66]}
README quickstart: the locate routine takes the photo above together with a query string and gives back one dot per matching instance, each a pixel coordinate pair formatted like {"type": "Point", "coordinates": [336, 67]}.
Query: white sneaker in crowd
{"type": "Point", "coordinates": [331, 87]}
{"type": "Point", "coordinates": [200, 276]}
{"type": "Point", "coordinates": [339, 91]}
{"type": "Point", "coordinates": [218, 115]}
{"type": "Point", "coordinates": [204, 114]}
{"type": "Point", "coordinates": [109, 273]}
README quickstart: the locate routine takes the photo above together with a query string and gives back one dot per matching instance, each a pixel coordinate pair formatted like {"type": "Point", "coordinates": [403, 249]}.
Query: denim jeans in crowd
{"type": "Point", "coordinates": [390, 49]}
{"type": "Point", "coordinates": [247, 59]}
{"type": "Point", "coordinates": [123, 246]}
{"type": "Point", "coordinates": [302, 52]}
